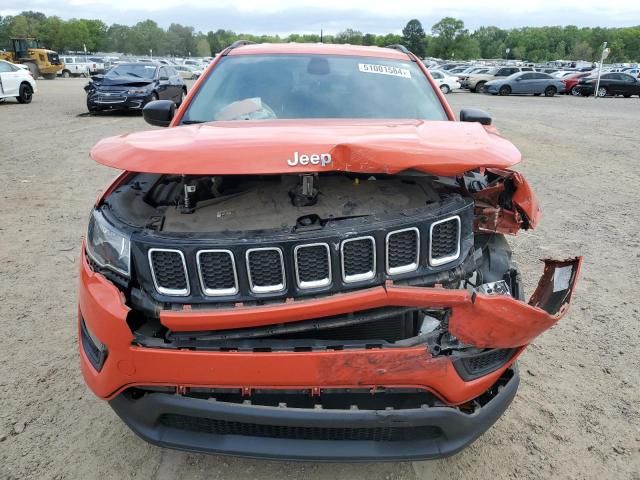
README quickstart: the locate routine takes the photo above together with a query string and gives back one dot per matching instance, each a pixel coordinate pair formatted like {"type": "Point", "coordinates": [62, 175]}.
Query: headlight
{"type": "Point", "coordinates": [107, 246]}
{"type": "Point", "coordinates": [137, 91]}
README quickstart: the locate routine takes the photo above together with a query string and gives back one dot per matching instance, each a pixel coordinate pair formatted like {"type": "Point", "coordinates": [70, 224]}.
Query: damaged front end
{"type": "Point", "coordinates": [342, 313]}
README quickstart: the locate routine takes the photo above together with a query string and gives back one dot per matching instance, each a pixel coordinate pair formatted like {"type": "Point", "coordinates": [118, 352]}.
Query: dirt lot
{"type": "Point", "coordinates": [576, 414]}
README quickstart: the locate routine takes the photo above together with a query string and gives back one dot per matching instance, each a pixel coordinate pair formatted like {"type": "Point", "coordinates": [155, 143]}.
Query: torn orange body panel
{"type": "Point", "coordinates": [496, 212]}
{"type": "Point", "coordinates": [102, 308]}
{"type": "Point", "coordinates": [480, 320]}
{"type": "Point", "coordinates": [484, 321]}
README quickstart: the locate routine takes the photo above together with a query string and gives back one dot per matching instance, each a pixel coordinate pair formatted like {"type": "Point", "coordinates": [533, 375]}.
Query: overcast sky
{"type": "Point", "coordinates": [374, 16]}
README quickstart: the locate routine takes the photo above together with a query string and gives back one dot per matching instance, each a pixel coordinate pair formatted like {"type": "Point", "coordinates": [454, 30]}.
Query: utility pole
{"type": "Point", "coordinates": [320, 35]}
{"type": "Point", "coordinates": [605, 54]}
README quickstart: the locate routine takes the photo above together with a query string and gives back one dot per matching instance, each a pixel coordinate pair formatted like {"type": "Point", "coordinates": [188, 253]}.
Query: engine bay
{"type": "Point", "coordinates": [190, 204]}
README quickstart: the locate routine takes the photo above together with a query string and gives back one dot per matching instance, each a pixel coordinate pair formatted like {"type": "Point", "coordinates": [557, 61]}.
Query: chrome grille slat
{"type": "Point", "coordinates": [358, 258]}
{"type": "Point", "coordinates": [265, 269]}
{"type": "Point", "coordinates": [444, 241]}
{"type": "Point", "coordinates": [217, 272]}
{"type": "Point", "coordinates": [403, 250]}
{"type": "Point", "coordinates": [169, 271]}
{"type": "Point", "coordinates": [312, 265]}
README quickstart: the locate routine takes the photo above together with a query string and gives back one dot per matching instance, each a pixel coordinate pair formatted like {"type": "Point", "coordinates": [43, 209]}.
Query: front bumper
{"type": "Point", "coordinates": [308, 434]}
{"type": "Point", "coordinates": [108, 101]}
{"type": "Point", "coordinates": [482, 320]}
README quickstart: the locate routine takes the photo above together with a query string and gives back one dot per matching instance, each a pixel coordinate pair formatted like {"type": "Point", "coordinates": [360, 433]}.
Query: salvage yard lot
{"type": "Point", "coordinates": [577, 414]}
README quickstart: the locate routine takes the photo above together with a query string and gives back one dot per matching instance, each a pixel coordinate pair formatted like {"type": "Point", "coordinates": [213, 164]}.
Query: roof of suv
{"type": "Point", "coordinates": [318, 49]}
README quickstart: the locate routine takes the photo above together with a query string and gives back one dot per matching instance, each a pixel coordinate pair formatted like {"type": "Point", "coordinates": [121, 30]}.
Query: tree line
{"type": "Point", "coordinates": [448, 39]}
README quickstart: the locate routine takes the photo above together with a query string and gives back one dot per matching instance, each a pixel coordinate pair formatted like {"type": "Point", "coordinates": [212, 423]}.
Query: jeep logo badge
{"type": "Point", "coordinates": [322, 159]}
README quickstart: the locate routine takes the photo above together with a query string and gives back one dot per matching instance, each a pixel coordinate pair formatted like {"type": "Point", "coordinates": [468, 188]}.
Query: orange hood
{"type": "Point", "coordinates": [295, 146]}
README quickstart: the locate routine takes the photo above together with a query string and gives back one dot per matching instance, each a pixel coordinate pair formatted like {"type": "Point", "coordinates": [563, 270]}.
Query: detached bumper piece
{"type": "Point", "coordinates": [320, 434]}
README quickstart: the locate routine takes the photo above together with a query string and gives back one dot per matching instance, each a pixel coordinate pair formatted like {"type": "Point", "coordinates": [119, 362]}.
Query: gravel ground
{"type": "Point", "coordinates": [577, 412]}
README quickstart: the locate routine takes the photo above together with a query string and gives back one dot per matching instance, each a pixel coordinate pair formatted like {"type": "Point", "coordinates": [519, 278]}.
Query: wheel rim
{"type": "Point", "coordinates": [549, 91]}
{"type": "Point", "coordinates": [480, 87]}
{"type": "Point", "coordinates": [575, 92]}
{"type": "Point", "coordinates": [602, 92]}
{"type": "Point", "coordinates": [27, 93]}
{"type": "Point", "coordinates": [504, 91]}
{"type": "Point", "coordinates": [444, 89]}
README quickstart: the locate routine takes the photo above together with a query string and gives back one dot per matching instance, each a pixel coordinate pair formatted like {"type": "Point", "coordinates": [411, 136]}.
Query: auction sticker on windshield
{"type": "Point", "coordinates": [384, 70]}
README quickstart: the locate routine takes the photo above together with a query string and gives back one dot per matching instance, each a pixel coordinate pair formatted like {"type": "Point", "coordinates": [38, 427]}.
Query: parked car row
{"type": "Point", "coordinates": [538, 80]}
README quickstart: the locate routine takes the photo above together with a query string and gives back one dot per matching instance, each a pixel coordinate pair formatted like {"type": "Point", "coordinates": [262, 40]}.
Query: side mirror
{"type": "Point", "coordinates": [472, 115]}
{"type": "Point", "coordinates": [159, 112]}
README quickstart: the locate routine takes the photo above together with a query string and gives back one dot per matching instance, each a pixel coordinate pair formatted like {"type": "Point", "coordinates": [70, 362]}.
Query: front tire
{"type": "Point", "coordinates": [25, 93]}
{"type": "Point", "coordinates": [550, 91]}
{"type": "Point", "coordinates": [504, 91]}
{"type": "Point", "coordinates": [480, 87]}
{"type": "Point", "coordinates": [575, 91]}
{"type": "Point", "coordinates": [33, 68]}
{"type": "Point", "coordinates": [49, 76]}
{"type": "Point", "coordinates": [66, 74]}
{"type": "Point", "coordinates": [602, 92]}
{"type": "Point", "coordinates": [445, 89]}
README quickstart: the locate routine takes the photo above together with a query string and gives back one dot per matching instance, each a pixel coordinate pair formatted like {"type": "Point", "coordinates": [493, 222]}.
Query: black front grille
{"type": "Point", "coordinates": [444, 239]}
{"type": "Point", "coordinates": [265, 268]}
{"type": "Point", "coordinates": [358, 257]}
{"type": "Point", "coordinates": [402, 249]}
{"type": "Point", "coordinates": [168, 270]}
{"type": "Point", "coordinates": [217, 270]}
{"type": "Point", "coordinates": [313, 264]}
{"type": "Point", "coordinates": [354, 434]}
{"type": "Point", "coordinates": [331, 259]}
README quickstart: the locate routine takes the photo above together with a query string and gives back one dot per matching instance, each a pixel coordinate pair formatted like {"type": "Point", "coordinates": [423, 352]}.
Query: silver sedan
{"type": "Point", "coordinates": [535, 83]}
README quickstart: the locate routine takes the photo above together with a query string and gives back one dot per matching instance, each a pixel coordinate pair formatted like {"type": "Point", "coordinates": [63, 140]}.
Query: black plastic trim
{"type": "Point", "coordinates": [458, 429]}
{"type": "Point", "coordinates": [96, 354]}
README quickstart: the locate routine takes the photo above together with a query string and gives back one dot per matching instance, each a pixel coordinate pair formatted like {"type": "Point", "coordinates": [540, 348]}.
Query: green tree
{"type": "Point", "coordinates": [452, 40]}
{"type": "Point", "coordinates": [582, 51]}
{"type": "Point", "coordinates": [202, 46]}
{"type": "Point", "coordinates": [353, 37]}
{"type": "Point", "coordinates": [413, 37]}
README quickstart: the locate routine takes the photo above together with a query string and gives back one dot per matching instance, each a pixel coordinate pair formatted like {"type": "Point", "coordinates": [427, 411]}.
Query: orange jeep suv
{"type": "Point", "coordinates": [310, 263]}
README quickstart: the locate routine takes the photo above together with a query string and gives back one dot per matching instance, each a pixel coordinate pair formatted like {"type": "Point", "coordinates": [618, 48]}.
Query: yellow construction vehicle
{"type": "Point", "coordinates": [40, 61]}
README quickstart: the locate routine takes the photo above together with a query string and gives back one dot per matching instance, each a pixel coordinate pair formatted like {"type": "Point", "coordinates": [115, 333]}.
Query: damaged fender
{"type": "Point", "coordinates": [506, 205]}
{"type": "Point", "coordinates": [503, 322]}
{"type": "Point", "coordinates": [486, 321]}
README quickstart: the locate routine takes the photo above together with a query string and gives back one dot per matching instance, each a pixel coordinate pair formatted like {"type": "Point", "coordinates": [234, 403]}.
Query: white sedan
{"type": "Point", "coordinates": [445, 82]}
{"type": "Point", "coordinates": [17, 82]}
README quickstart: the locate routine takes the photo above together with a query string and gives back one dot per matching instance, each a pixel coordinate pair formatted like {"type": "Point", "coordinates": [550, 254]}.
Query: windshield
{"type": "Point", "coordinates": [133, 70]}
{"type": "Point", "coordinates": [254, 87]}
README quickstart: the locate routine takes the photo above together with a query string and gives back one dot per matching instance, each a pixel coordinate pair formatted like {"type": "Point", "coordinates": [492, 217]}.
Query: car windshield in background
{"type": "Point", "coordinates": [133, 70]}
{"type": "Point", "coordinates": [251, 87]}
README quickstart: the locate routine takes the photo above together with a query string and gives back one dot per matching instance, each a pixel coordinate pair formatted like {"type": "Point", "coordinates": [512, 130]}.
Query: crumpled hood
{"type": "Point", "coordinates": [297, 146]}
